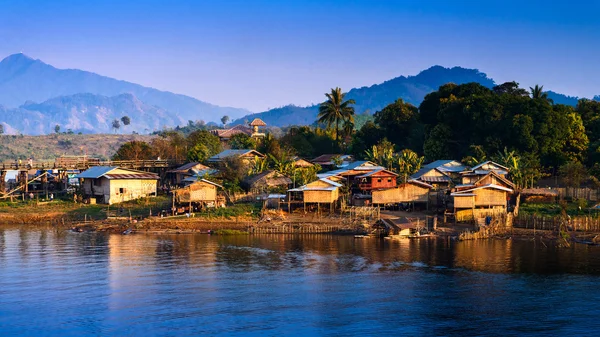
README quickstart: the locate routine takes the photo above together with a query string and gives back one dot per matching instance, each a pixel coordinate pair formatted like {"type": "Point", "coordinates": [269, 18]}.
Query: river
{"type": "Point", "coordinates": [63, 283]}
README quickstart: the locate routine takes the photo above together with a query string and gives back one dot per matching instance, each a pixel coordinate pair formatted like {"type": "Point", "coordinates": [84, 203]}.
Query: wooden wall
{"type": "Point", "coordinates": [490, 197]}
{"type": "Point", "coordinates": [404, 193]}
{"type": "Point", "coordinates": [200, 192]}
{"type": "Point", "coordinates": [321, 196]}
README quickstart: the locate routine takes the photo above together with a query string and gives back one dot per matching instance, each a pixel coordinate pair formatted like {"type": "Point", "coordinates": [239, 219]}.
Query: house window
{"type": "Point", "coordinates": [122, 190]}
{"type": "Point", "coordinates": [389, 180]}
{"type": "Point", "coordinates": [378, 180]}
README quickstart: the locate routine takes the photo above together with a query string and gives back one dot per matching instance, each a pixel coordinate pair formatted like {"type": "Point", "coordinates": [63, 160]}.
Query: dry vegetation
{"type": "Point", "coordinates": [48, 147]}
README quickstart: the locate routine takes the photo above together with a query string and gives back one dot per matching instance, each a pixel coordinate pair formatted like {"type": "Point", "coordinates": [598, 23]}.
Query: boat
{"type": "Point", "coordinates": [127, 231]}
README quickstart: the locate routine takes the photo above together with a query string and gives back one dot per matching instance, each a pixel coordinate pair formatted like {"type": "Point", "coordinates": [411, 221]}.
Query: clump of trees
{"type": "Point", "coordinates": [521, 129]}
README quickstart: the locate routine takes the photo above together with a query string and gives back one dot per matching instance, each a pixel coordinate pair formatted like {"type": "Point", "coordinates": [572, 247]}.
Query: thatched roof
{"type": "Point", "coordinates": [267, 179]}
{"type": "Point", "coordinates": [258, 122]}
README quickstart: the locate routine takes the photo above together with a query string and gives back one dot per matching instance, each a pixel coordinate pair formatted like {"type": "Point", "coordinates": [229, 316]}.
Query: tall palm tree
{"type": "Point", "coordinates": [538, 92]}
{"type": "Point", "coordinates": [335, 109]}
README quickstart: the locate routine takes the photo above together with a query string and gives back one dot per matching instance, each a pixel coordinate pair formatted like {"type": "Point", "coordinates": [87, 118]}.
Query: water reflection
{"type": "Point", "coordinates": [93, 283]}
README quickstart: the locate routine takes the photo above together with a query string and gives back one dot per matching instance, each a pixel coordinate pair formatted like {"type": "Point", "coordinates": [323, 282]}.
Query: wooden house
{"type": "Point", "coordinates": [201, 192]}
{"type": "Point", "coordinates": [477, 172]}
{"type": "Point", "coordinates": [451, 168]}
{"type": "Point", "coordinates": [247, 156]}
{"type": "Point", "coordinates": [267, 182]}
{"type": "Point", "coordinates": [320, 192]}
{"type": "Point", "coordinates": [328, 160]}
{"type": "Point", "coordinates": [110, 184]}
{"type": "Point", "coordinates": [487, 196]}
{"type": "Point", "coordinates": [178, 175]}
{"type": "Point", "coordinates": [413, 191]}
{"type": "Point", "coordinates": [376, 179]}
{"type": "Point", "coordinates": [225, 134]}
{"type": "Point", "coordinates": [434, 177]}
{"type": "Point", "coordinates": [302, 163]}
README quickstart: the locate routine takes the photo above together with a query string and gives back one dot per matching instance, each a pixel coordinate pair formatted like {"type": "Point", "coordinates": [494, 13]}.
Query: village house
{"type": "Point", "coordinates": [247, 156]}
{"type": "Point", "coordinates": [225, 134]}
{"type": "Point", "coordinates": [376, 179]}
{"type": "Point", "coordinates": [440, 173]}
{"type": "Point", "coordinates": [267, 182]}
{"type": "Point", "coordinates": [412, 192]}
{"type": "Point", "coordinates": [321, 192]}
{"type": "Point", "coordinates": [110, 184]}
{"type": "Point", "coordinates": [252, 131]}
{"type": "Point", "coordinates": [487, 196]}
{"type": "Point", "coordinates": [434, 177]}
{"type": "Point", "coordinates": [178, 175]}
{"type": "Point", "coordinates": [481, 170]}
{"type": "Point", "coordinates": [199, 193]}
{"type": "Point", "coordinates": [302, 163]}
{"type": "Point", "coordinates": [328, 161]}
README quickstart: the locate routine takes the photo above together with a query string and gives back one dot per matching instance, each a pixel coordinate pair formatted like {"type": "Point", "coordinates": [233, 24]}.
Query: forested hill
{"type": "Point", "coordinates": [411, 89]}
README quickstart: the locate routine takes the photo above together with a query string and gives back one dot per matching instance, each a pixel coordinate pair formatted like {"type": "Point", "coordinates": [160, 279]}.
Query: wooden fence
{"type": "Point", "coordinates": [582, 224]}
{"type": "Point", "coordinates": [578, 193]}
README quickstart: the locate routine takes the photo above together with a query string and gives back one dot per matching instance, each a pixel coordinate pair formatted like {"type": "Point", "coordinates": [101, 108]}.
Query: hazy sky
{"type": "Point", "coordinates": [261, 54]}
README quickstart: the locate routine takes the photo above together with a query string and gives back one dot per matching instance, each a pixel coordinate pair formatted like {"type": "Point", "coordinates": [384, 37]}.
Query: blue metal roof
{"type": "Point", "coordinates": [95, 172]}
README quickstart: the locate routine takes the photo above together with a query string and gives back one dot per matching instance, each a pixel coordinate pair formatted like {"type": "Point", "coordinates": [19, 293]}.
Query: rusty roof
{"type": "Point", "coordinates": [142, 176]}
{"type": "Point", "coordinates": [258, 122]}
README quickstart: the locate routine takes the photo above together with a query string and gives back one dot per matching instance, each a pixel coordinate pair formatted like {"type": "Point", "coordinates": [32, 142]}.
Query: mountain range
{"type": "Point", "coordinates": [411, 89]}
{"type": "Point", "coordinates": [24, 80]}
{"type": "Point", "coordinates": [35, 97]}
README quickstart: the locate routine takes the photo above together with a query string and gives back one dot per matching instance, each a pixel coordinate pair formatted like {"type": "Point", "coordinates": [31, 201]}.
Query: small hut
{"type": "Point", "coordinates": [301, 163]}
{"type": "Point", "coordinates": [487, 196]}
{"type": "Point", "coordinates": [376, 179]}
{"type": "Point", "coordinates": [201, 192]}
{"type": "Point", "coordinates": [267, 182]}
{"type": "Point", "coordinates": [178, 175]}
{"type": "Point", "coordinates": [413, 191]}
{"type": "Point", "coordinates": [320, 192]}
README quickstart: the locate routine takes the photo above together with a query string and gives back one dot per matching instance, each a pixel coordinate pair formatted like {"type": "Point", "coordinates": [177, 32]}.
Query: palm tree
{"type": "Point", "coordinates": [538, 92]}
{"type": "Point", "coordinates": [335, 109]}
{"type": "Point", "coordinates": [409, 163]}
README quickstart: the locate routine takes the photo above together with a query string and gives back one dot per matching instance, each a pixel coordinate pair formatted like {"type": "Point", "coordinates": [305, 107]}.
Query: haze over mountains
{"type": "Point", "coordinates": [35, 96]}
{"type": "Point", "coordinates": [23, 79]}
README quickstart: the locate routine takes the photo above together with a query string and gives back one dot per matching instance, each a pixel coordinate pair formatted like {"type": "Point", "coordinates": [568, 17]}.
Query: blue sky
{"type": "Point", "coordinates": [261, 54]}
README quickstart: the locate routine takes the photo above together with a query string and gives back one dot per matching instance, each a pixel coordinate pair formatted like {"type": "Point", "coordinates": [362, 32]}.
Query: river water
{"type": "Point", "coordinates": [63, 283]}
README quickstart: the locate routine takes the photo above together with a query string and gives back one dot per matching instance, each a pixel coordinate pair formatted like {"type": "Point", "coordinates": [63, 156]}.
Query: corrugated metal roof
{"type": "Point", "coordinates": [446, 165]}
{"type": "Point", "coordinates": [142, 176]}
{"type": "Point", "coordinates": [95, 172]}
{"type": "Point", "coordinates": [187, 167]}
{"type": "Point", "coordinates": [368, 174]}
{"type": "Point", "coordinates": [435, 179]}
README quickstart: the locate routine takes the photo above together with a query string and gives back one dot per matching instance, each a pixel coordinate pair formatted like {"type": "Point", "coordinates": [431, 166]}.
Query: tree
{"type": "Point", "coordinates": [242, 141]}
{"type": "Point", "coordinates": [408, 164]}
{"type": "Point", "coordinates": [134, 150]}
{"type": "Point", "coordinates": [116, 124]}
{"type": "Point", "coordinates": [537, 92]}
{"type": "Point", "coordinates": [510, 88]}
{"type": "Point", "coordinates": [202, 145]}
{"type": "Point", "coordinates": [224, 120]}
{"type": "Point", "coordinates": [57, 128]}
{"type": "Point", "coordinates": [400, 125]}
{"type": "Point", "coordinates": [382, 154]}
{"type": "Point", "coordinates": [335, 109]}
{"type": "Point", "coordinates": [573, 174]}
{"type": "Point", "coordinates": [126, 120]}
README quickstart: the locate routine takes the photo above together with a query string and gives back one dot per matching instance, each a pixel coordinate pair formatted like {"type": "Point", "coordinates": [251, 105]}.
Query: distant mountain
{"type": "Point", "coordinates": [371, 99]}
{"type": "Point", "coordinates": [86, 113]}
{"type": "Point", "coordinates": [562, 99]}
{"type": "Point", "coordinates": [25, 79]}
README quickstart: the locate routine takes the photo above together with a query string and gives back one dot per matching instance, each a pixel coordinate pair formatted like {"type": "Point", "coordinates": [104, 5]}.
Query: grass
{"type": "Point", "coordinates": [555, 209]}
{"type": "Point", "coordinates": [237, 210]}
{"type": "Point", "coordinates": [49, 147]}
{"type": "Point", "coordinates": [136, 208]}
{"type": "Point", "coordinates": [228, 232]}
